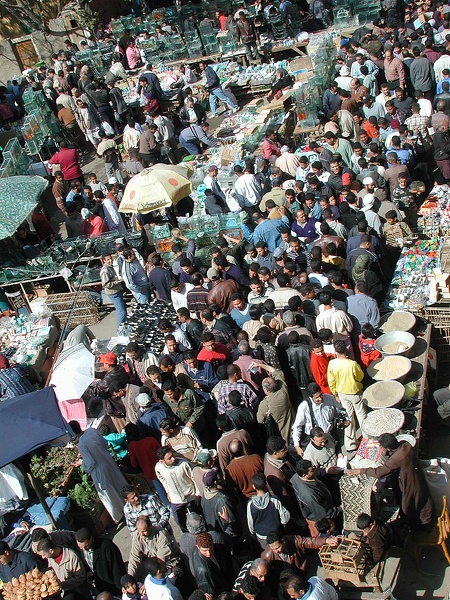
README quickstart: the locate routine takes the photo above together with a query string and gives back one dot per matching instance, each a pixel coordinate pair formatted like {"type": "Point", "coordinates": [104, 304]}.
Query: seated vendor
{"type": "Point", "coordinates": [281, 82]}
{"type": "Point", "coordinates": [375, 537]}
{"type": "Point", "coordinates": [14, 563]}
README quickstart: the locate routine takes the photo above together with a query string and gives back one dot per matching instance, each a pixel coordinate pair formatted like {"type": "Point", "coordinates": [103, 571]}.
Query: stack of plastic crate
{"type": "Point", "coordinates": [15, 156]}
{"type": "Point", "coordinates": [194, 44]}
{"type": "Point", "coordinates": [342, 14]}
{"type": "Point", "coordinates": [366, 11]}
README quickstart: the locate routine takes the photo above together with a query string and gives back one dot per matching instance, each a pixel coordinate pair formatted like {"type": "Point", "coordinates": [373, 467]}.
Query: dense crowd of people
{"type": "Point", "coordinates": [239, 423]}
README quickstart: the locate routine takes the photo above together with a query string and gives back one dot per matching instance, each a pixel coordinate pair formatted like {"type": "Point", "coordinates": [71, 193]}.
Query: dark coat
{"type": "Point", "coordinates": [298, 357]}
{"type": "Point", "coordinates": [416, 503]}
{"type": "Point", "coordinates": [207, 573]}
{"type": "Point", "coordinates": [199, 111]}
{"type": "Point", "coordinates": [108, 566]}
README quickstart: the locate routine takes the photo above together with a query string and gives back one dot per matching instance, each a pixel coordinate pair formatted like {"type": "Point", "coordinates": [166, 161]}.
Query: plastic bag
{"type": "Point", "coordinates": [437, 474]}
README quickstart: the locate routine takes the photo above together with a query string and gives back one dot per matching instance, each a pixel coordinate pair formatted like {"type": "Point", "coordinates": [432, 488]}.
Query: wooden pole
{"type": "Point", "coordinates": [37, 488]}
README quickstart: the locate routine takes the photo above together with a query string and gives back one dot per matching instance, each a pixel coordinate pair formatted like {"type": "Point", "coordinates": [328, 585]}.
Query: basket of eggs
{"type": "Point", "coordinates": [33, 585]}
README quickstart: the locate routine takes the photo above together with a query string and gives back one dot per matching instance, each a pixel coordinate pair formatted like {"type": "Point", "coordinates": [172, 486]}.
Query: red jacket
{"type": "Point", "coordinates": [319, 366]}
{"type": "Point", "coordinates": [368, 351]}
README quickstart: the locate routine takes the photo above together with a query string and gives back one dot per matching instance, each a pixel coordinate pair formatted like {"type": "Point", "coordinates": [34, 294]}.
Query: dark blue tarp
{"type": "Point", "coordinates": [28, 422]}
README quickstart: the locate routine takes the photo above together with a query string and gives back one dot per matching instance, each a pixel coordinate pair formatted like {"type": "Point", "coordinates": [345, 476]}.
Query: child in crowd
{"type": "Point", "coordinates": [326, 337]}
{"type": "Point", "coordinates": [131, 589]}
{"type": "Point", "coordinates": [366, 345]}
{"type": "Point", "coordinates": [376, 538]}
{"type": "Point", "coordinates": [329, 256]}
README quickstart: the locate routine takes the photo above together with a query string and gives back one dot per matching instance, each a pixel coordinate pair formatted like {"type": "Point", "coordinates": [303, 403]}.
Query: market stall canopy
{"type": "Point", "coordinates": [28, 422]}
{"type": "Point", "coordinates": [157, 187]}
{"type": "Point", "coordinates": [72, 372]}
{"type": "Point", "coordinates": [18, 197]}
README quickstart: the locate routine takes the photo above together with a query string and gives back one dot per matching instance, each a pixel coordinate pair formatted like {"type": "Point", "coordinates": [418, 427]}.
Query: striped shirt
{"type": "Point", "coordinates": [14, 382]}
{"type": "Point", "coordinates": [150, 506]}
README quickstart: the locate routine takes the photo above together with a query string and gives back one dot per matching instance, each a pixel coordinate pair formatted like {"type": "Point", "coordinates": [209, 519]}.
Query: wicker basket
{"type": "Point", "coordinates": [83, 312]}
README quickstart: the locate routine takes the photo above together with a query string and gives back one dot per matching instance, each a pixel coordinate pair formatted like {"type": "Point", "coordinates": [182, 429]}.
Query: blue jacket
{"type": "Point", "coordinates": [150, 418]}
{"type": "Point", "coordinates": [212, 80]}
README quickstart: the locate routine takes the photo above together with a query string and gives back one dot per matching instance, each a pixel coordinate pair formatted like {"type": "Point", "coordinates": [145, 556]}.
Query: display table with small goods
{"type": "Point", "coordinates": [410, 287]}
{"type": "Point", "coordinates": [26, 339]}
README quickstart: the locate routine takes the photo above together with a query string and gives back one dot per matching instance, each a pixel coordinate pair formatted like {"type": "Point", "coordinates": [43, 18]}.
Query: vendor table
{"type": "Point", "coordinates": [297, 48]}
{"type": "Point", "coordinates": [418, 373]}
{"type": "Point", "coordinates": [300, 132]}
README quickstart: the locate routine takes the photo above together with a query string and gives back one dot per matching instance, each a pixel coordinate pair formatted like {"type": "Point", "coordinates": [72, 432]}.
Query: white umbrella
{"type": "Point", "coordinates": [73, 372]}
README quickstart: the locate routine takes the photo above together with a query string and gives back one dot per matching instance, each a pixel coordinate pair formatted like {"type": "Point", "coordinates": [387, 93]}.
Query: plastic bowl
{"type": "Point", "coordinates": [395, 343]}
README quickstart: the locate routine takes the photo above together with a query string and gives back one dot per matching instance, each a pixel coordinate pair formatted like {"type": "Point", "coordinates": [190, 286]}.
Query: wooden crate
{"type": "Point", "coordinates": [81, 309]}
{"type": "Point", "coordinates": [439, 317]}
{"type": "Point", "coordinates": [344, 562]}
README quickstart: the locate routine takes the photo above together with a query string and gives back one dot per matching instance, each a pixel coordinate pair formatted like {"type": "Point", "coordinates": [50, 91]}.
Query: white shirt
{"type": "Point", "coordinates": [161, 592]}
{"type": "Point", "coordinates": [337, 320]}
{"type": "Point", "coordinates": [442, 63]}
{"type": "Point", "coordinates": [381, 98]}
{"type": "Point", "coordinates": [344, 82]}
{"type": "Point", "coordinates": [323, 416]}
{"type": "Point", "coordinates": [247, 191]}
{"type": "Point", "coordinates": [426, 108]}
{"type": "Point", "coordinates": [179, 299]}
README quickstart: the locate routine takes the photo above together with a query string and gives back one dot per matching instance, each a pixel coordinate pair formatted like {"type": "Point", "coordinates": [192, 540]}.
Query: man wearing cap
{"type": "Point", "coordinates": [93, 225]}
{"type": "Point", "coordinates": [212, 183]}
{"type": "Point", "coordinates": [14, 380]}
{"type": "Point", "coordinates": [371, 216]}
{"type": "Point", "coordinates": [344, 79]}
{"type": "Point", "coordinates": [288, 162]}
{"type": "Point", "coordinates": [151, 413]}
{"type": "Point", "coordinates": [217, 507]}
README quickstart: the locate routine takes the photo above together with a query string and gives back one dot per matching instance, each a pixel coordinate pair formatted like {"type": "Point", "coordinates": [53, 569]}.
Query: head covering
{"type": "Point", "coordinates": [203, 458]}
{"type": "Point", "coordinates": [368, 202]}
{"type": "Point", "coordinates": [344, 71]}
{"type": "Point", "coordinates": [85, 213]}
{"type": "Point", "coordinates": [112, 180]}
{"type": "Point", "coordinates": [361, 265]}
{"type": "Point", "coordinates": [210, 477]}
{"type": "Point", "coordinates": [143, 400]}
{"type": "Point", "coordinates": [284, 149]}
{"type": "Point", "coordinates": [395, 124]}
{"type": "Point", "coordinates": [212, 168]}
{"type": "Point", "coordinates": [108, 359]}
{"type": "Point", "coordinates": [365, 99]}
{"type": "Point", "coordinates": [4, 362]}
{"type": "Point", "coordinates": [367, 180]}
{"type": "Point", "coordinates": [212, 273]}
